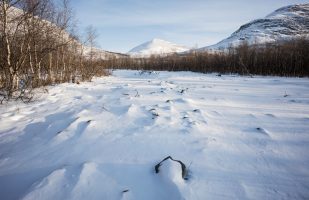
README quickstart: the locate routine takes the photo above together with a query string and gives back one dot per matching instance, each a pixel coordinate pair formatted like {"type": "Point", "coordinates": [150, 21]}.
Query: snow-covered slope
{"type": "Point", "coordinates": [240, 138]}
{"type": "Point", "coordinates": [156, 47]}
{"type": "Point", "coordinates": [98, 53]}
{"type": "Point", "coordinates": [285, 23]}
{"type": "Point", "coordinates": [50, 27]}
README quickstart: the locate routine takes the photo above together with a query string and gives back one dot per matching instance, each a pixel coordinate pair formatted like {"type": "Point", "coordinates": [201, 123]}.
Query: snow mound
{"type": "Point", "coordinates": [170, 177]}
{"type": "Point", "coordinates": [52, 185]}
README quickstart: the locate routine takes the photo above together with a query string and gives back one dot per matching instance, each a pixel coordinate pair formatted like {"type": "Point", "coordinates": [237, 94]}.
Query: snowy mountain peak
{"type": "Point", "coordinates": [157, 40]}
{"type": "Point", "coordinates": [156, 47]}
{"type": "Point", "coordinates": [292, 10]}
{"type": "Point", "coordinates": [283, 24]}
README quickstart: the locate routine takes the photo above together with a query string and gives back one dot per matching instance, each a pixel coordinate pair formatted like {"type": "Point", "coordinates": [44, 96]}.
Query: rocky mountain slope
{"type": "Point", "coordinates": [283, 24]}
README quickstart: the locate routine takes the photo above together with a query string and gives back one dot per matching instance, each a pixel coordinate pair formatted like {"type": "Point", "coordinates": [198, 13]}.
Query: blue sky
{"type": "Point", "coordinates": [124, 24]}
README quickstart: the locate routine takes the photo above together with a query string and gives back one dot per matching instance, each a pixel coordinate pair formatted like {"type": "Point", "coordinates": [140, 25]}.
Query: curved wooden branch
{"type": "Point", "coordinates": [184, 171]}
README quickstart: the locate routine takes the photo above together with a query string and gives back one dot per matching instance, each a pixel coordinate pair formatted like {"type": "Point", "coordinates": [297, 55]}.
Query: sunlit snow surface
{"type": "Point", "coordinates": [241, 137]}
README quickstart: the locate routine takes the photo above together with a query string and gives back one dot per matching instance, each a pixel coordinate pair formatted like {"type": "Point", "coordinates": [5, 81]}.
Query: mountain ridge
{"type": "Point", "coordinates": [156, 47]}
{"type": "Point", "coordinates": [285, 23]}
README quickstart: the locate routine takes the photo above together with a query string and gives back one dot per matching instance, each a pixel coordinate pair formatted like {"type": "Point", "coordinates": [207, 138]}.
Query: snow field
{"type": "Point", "coordinates": [240, 137]}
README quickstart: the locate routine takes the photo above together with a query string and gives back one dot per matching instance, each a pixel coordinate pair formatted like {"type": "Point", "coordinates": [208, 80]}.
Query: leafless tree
{"type": "Point", "coordinates": [38, 47]}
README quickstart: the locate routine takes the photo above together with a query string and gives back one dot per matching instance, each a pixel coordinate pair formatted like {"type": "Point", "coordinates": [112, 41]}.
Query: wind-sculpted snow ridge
{"type": "Point", "coordinates": [286, 23]}
{"type": "Point", "coordinates": [236, 137]}
{"type": "Point", "coordinates": [156, 47]}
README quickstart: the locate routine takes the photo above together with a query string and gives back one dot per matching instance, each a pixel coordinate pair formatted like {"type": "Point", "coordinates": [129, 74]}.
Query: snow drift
{"type": "Point", "coordinates": [240, 138]}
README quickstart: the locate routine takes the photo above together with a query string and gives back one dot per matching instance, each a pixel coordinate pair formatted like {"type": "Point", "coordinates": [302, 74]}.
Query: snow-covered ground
{"type": "Point", "coordinates": [240, 137]}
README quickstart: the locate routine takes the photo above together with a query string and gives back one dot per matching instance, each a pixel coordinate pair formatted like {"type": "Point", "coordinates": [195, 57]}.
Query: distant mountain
{"type": "Point", "coordinates": [156, 47]}
{"type": "Point", "coordinates": [98, 53]}
{"type": "Point", "coordinates": [285, 23]}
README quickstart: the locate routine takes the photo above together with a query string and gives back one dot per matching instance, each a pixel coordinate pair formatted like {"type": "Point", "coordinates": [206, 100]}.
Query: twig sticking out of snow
{"type": "Point", "coordinates": [103, 107]}
{"type": "Point", "coordinates": [137, 94]}
{"type": "Point", "coordinates": [285, 94]}
{"type": "Point", "coordinates": [154, 113]}
{"type": "Point", "coordinates": [184, 170]}
{"type": "Point", "coordinates": [182, 91]}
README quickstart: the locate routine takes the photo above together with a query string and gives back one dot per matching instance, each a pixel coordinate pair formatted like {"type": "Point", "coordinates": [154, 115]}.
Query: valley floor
{"type": "Point", "coordinates": [240, 137]}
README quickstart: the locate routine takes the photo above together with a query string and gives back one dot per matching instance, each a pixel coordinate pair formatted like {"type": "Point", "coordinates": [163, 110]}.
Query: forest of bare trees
{"type": "Point", "coordinates": [286, 58]}
{"type": "Point", "coordinates": [37, 47]}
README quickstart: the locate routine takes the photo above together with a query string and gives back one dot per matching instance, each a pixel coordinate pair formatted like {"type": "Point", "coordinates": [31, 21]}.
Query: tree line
{"type": "Point", "coordinates": [284, 58]}
{"type": "Point", "coordinates": [38, 46]}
